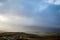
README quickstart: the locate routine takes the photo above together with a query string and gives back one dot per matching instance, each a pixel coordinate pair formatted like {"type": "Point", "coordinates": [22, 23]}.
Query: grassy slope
{"type": "Point", "coordinates": [19, 35]}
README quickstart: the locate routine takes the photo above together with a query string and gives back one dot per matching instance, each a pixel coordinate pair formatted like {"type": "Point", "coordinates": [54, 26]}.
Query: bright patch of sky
{"type": "Point", "coordinates": [56, 2]}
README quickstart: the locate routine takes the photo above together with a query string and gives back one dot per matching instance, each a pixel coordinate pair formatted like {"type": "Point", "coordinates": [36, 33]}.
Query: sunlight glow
{"type": "Point", "coordinates": [3, 18]}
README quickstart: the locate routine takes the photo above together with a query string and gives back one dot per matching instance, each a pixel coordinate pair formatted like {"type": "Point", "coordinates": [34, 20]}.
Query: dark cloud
{"type": "Point", "coordinates": [3, 0]}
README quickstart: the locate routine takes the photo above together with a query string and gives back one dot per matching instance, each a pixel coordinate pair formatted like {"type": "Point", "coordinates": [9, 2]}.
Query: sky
{"type": "Point", "coordinates": [29, 15]}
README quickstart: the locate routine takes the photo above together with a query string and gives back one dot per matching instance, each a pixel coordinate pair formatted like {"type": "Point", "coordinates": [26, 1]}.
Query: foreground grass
{"type": "Point", "coordinates": [25, 36]}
